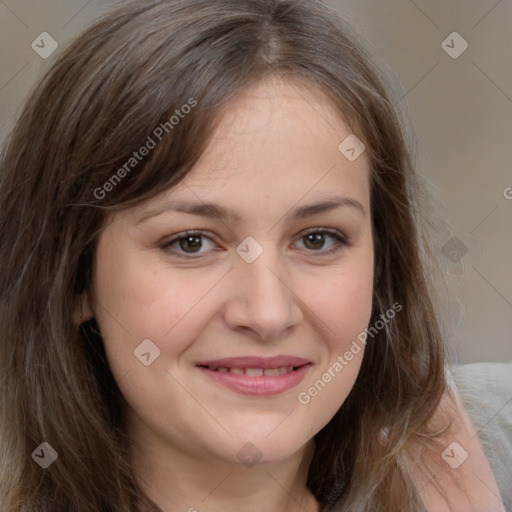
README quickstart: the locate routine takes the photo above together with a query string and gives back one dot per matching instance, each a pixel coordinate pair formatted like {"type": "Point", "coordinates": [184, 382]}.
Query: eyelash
{"type": "Point", "coordinates": [341, 241]}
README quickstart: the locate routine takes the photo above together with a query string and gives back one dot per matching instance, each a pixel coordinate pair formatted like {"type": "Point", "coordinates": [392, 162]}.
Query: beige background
{"type": "Point", "coordinates": [460, 111]}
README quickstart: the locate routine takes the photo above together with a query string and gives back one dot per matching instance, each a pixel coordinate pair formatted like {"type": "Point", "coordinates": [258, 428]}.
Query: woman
{"type": "Point", "coordinates": [212, 290]}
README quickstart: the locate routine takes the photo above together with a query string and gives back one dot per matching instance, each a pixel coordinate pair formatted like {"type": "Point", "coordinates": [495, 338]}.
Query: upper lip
{"type": "Point", "coordinates": [255, 362]}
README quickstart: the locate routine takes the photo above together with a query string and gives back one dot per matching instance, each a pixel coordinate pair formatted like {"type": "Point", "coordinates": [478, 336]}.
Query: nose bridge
{"type": "Point", "coordinates": [263, 300]}
{"type": "Point", "coordinates": [265, 277]}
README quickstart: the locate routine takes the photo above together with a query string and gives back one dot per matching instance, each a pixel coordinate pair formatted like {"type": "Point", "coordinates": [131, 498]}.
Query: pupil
{"type": "Point", "coordinates": [190, 241]}
{"type": "Point", "coordinates": [315, 238]}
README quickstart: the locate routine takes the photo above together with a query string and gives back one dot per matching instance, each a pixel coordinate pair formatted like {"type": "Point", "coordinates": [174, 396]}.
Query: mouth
{"type": "Point", "coordinates": [256, 375]}
{"type": "Point", "coordinates": [254, 372]}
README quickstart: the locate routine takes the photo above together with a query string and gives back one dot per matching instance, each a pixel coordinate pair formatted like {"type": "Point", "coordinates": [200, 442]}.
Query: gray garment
{"type": "Point", "coordinates": [486, 392]}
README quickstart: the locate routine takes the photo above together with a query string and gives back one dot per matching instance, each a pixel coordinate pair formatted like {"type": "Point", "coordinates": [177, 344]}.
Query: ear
{"type": "Point", "coordinates": [83, 309]}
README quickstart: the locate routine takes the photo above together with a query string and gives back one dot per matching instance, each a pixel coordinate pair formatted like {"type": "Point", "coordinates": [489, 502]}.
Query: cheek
{"type": "Point", "coordinates": [349, 307]}
{"type": "Point", "coordinates": [343, 311]}
{"type": "Point", "coordinates": [342, 303]}
{"type": "Point", "coordinates": [135, 301]}
{"type": "Point", "coordinates": [346, 309]}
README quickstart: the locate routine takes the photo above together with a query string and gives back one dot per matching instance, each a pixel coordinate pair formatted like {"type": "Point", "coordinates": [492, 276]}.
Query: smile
{"type": "Point", "coordinates": [256, 375]}
{"type": "Point", "coordinates": [256, 372]}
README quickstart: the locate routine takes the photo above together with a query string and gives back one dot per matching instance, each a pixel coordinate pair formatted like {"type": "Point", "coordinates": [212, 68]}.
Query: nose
{"type": "Point", "coordinates": [262, 301]}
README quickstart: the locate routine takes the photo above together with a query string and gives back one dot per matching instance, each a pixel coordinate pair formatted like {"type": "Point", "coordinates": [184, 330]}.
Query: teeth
{"type": "Point", "coordinates": [255, 372]}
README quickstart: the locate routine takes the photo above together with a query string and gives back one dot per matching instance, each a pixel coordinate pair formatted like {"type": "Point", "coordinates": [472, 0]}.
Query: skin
{"type": "Point", "coordinates": [276, 149]}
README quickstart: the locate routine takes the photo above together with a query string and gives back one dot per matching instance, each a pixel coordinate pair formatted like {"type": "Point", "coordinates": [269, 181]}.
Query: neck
{"type": "Point", "coordinates": [178, 482]}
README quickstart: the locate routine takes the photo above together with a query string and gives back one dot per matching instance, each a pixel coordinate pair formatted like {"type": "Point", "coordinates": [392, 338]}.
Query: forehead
{"type": "Point", "coordinates": [276, 120]}
{"type": "Point", "coordinates": [277, 141]}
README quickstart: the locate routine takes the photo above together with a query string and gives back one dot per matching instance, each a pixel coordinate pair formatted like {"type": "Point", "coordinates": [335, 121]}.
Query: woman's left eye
{"type": "Point", "coordinates": [316, 236]}
{"type": "Point", "coordinates": [190, 242]}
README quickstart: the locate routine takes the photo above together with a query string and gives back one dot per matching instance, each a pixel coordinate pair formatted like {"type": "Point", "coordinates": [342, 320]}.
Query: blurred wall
{"type": "Point", "coordinates": [451, 65]}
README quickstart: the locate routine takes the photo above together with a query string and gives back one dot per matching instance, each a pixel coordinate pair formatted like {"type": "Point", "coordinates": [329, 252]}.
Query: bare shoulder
{"type": "Point", "coordinates": [485, 390]}
{"type": "Point", "coordinates": [454, 473]}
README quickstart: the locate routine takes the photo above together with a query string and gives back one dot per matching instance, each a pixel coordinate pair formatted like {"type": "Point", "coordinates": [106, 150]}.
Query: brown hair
{"type": "Point", "coordinates": [100, 101]}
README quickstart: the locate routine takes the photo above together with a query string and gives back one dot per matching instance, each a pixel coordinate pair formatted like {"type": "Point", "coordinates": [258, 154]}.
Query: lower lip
{"type": "Point", "coordinates": [263, 385]}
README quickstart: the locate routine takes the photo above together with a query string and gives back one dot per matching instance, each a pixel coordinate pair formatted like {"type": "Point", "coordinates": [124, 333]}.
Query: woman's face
{"type": "Point", "coordinates": [190, 322]}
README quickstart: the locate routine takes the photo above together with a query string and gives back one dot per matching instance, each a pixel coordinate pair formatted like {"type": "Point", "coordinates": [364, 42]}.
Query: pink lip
{"type": "Point", "coordinates": [263, 384]}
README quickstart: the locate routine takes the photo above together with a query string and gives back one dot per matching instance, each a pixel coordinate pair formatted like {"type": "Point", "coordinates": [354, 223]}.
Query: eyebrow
{"type": "Point", "coordinates": [215, 211]}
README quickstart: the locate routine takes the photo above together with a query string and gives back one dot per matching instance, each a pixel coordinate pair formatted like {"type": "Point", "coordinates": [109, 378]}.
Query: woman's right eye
{"type": "Point", "coordinates": [186, 243]}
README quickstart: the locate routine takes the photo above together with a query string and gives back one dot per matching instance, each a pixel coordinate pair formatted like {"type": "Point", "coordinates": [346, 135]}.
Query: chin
{"type": "Point", "coordinates": [257, 448]}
